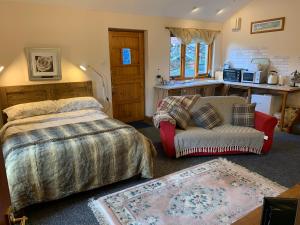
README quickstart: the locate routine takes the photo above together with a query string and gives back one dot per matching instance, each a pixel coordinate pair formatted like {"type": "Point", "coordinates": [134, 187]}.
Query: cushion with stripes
{"type": "Point", "coordinates": [181, 115]}
{"type": "Point", "coordinates": [243, 115]}
{"type": "Point", "coordinates": [207, 117]}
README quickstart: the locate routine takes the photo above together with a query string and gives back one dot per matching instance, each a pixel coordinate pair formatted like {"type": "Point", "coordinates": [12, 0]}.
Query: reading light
{"type": "Point", "coordinates": [219, 12]}
{"type": "Point", "coordinates": [1, 68]}
{"type": "Point", "coordinates": [195, 9]}
{"type": "Point", "coordinates": [85, 68]}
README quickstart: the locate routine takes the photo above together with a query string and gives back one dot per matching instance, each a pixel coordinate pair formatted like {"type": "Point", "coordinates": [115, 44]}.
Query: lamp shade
{"type": "Point", "coordinates": [83, 67]}
{"type": "Point", "coordinates": [1, 68]}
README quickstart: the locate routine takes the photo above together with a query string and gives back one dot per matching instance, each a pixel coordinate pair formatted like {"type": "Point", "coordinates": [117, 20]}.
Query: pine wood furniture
{"type": "Point", "coordinates": [203, 87]}
{"type": "Point", "coordinates": [254, 217]}
{"type": "Point", "coordinates": [13, 95]}
{"type": "Point", "coordinates": [128, 80]}
{"type": "Point", "coordinates": [284, 91]}
{"type": "Point", "coordinates": [4, 194]}
{"type": "Point", "coordinates": [208, 87]}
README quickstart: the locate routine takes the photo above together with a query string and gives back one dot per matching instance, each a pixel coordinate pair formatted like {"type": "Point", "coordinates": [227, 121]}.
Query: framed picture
{"type": "Point", "coordinates": [270, 25]}
{"type": "Point", "coordinates": [43, 63]}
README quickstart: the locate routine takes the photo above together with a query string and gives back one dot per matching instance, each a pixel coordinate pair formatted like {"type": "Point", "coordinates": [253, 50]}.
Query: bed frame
{"type": "Point", "coordinates": [13, 95]}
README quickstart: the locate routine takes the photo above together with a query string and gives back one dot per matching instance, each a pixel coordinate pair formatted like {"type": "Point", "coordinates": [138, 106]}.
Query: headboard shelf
{"type": "Point", "coordinates": [13, 95]}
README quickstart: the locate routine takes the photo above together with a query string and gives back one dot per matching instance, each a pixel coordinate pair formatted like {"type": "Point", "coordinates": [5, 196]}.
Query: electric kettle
{"type": "Point", "coordinates": [273, 77]}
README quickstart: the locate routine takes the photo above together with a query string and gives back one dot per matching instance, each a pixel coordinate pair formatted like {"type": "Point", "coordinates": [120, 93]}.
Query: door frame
{"type": "Point", "coordinates": [144, 60]}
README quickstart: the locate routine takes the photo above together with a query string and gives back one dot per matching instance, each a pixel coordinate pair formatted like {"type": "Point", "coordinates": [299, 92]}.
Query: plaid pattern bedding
{"type": "Point", "coordinates": [243, 115]}
{"type": "Point", "coordinates": [54, 162]}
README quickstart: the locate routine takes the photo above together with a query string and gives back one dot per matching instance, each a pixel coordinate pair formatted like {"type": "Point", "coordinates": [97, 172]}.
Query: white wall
{"type": "Point", "coordinates": [283, 48]}
{"type": "Point", "coordinates": [82, 36]}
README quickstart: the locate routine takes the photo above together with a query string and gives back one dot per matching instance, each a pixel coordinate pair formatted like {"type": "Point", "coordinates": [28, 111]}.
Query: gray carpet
{"type": "Point", "coordinates": [282, 165]}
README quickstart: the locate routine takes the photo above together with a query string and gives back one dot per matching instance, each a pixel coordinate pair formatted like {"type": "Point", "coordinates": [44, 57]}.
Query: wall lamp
{"type": "Point", "coordinates": [1, 68]}
{"type": "Point", "coordinates": [88, 67]}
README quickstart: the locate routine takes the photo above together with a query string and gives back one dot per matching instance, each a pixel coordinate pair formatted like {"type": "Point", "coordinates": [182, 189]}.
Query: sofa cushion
{"type": "Point", "coordinates": [207, 117]}
{"type": "Point", "coordinates": [223, 105]}
{"type": "Point", "coordinates": [185, 101]}
{"type": "Point", "coordinates": [222, 138]}
{"type": "Point", "coordinates": [181, 115]}
{"type": "Point", "coordinates": [243, 115]}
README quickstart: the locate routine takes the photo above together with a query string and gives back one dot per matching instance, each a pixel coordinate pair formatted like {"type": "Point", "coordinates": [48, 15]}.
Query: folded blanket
{"type": "Point", "coordinates": [162, 116]}
{"type": "Point", "coordinates": [167, 105]}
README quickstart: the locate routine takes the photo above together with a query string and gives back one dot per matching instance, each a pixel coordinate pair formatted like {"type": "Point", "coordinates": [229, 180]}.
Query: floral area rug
{"type": "Point", "coordinates": [215, 192]}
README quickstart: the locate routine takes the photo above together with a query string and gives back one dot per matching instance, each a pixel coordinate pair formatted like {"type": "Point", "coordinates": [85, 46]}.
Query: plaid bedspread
{"type": "Point", "coordinates": [54, 162]}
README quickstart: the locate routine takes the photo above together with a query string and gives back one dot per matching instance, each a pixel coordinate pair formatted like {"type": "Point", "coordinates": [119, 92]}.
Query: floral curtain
{"type": "Point", "coordinates": [187, 35]}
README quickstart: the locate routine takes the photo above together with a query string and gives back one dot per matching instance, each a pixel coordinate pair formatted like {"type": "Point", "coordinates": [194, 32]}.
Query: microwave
{"type": "Point", "coordinates": [248, 77]}
{"type": "Point", "coordinates": [232, 75]}
{"type": "Point", "coordinates": [257, 77]}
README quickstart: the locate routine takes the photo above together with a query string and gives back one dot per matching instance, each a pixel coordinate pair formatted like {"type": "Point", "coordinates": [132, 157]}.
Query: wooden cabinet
{"type": "Point", "coordinates": [203, 90]}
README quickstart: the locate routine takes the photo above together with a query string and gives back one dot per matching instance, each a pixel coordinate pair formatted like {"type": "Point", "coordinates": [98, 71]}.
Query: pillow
{"type": "Point", "coordinates": [185, 101]}
{"type": "Point", "coordinates": [181, 115]}
{"type": "Point", "coordinates": [207, 117]}
{"type": "Point", "coordinates": [22, 111]}
{"type": "Point", "coordinates": [243, 115]}
{"type": "Point", "coordinates": [79, 103]}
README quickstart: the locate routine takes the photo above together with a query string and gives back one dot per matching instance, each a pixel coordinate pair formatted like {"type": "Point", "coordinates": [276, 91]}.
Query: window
{"type": "Point", "coordinates": [175, 61]}
{"type": "Point", "coordinates": [189, 61]}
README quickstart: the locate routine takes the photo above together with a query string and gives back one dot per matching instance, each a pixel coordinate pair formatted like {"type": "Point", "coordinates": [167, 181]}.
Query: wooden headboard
{"type": "Point", "coordinates": [13, 95]}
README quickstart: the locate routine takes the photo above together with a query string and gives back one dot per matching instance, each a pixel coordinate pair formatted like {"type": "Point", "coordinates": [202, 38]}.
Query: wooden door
{"type": "Point", "coordinates": [127, 74]}
{"type": "Point", "coordinates": [4, 193]}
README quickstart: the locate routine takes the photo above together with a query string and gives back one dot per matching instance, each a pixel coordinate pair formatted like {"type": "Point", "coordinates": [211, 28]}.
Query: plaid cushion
{"type": "Point", "coordinates": [207, 117]}
{"type": "Point", "coordinates": [243, 115]}
{"type": "Point", "coordinates": [181, 115]}
{"type": "Point", "coordinates": [185, 101]}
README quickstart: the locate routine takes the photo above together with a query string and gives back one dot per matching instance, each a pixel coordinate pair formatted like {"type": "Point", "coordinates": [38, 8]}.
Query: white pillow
{"type": "Point", "coordinates": [30, 109]}
{"type": "Point", "coordinates": [79, 103]}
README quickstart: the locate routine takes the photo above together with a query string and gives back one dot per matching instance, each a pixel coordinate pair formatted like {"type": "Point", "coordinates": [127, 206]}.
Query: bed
{"type": "Point", "coordinates": [72, 149]}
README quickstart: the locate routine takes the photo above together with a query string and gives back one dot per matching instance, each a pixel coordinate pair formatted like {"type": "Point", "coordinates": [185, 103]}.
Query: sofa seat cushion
{"type": "Point", "coordinates": [224, 138]}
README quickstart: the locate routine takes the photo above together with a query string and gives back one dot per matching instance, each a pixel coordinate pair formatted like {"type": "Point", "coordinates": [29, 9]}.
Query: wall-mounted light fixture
{"type": "Point", "coordinates": [237, 24]}
{"type": "Point", "coordinates": [85, 68]}
{"type": "Point", "coordinates": [221, 11]}
{"type": "Point", "coordinates": [195, 9]}
{"type": "Point", "coordinates": [1, 68]}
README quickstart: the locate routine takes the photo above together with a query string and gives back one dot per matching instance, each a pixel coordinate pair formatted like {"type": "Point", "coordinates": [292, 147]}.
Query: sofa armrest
{"type": "Point", "coordinates": [266, 124]}
{"type": "Point", "coordinates": [167, 135]}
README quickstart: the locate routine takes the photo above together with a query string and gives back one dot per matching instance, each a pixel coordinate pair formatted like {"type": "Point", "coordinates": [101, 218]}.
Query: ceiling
{"type": "Point", "coordinates": [170, 8]}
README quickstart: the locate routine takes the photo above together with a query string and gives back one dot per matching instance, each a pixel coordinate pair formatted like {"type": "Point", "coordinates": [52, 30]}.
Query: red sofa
{"type": "Point", "coordinates": [263, 122]}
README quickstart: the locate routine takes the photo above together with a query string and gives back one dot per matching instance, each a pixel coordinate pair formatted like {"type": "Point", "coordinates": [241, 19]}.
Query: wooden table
{"type": "Point", "coordinates": [204, 87]}
{"type": "Point", "coordinates": [254, 217]}
{"type": "Point", "coordinates": [272, 89]}
{"type": "Point", "coordinates": [207, 88]}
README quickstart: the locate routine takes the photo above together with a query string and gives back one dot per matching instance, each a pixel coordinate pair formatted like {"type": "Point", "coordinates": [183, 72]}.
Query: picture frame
{"type": "Point", "coordinates": [43, 63]}
{"type": "Point", "coordinates": [270, 25]}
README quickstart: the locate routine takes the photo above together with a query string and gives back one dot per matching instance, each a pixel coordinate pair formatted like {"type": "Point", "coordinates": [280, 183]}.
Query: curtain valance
{"type": "Point", "coordinates": [187, 35]}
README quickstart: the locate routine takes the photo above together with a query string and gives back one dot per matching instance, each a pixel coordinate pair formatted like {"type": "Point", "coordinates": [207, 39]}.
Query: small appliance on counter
{"type": "Point", "coordinates": [273, 77]}
{"type": "Point", "coordinates": [295, 79]}
{"type": "Point", "coordinates": [258, 73]}
{"type": "Point", "coordinates": [232, 75]}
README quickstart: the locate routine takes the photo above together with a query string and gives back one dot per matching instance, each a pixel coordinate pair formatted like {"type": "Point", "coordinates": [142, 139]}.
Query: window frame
{"type": "Point", "coordinates": [181, 76]}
